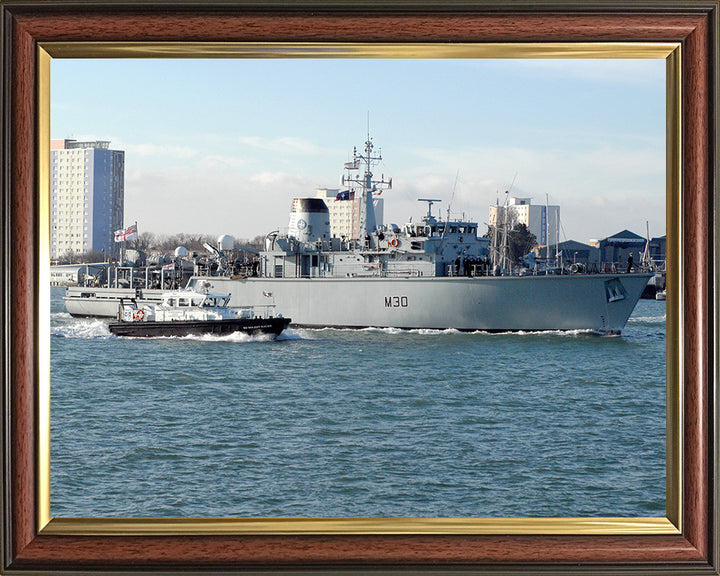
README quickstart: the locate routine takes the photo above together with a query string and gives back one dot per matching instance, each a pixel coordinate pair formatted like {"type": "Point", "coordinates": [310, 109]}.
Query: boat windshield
{"type": "Point", "coordinates": [215, 301]}
{"type": "Point", "coordinates": [184, 301]}
{"type": "Point", "coordinates": [197, 300]}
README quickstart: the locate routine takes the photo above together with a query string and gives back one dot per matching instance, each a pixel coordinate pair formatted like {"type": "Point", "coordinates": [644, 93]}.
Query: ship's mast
{"type": "Point", "coordinates": [547, 228]}
{"type": "Point", "coordinates": [505, 257]}
{"type": "Point", "coordinates": [367, 223]}
{"type": "Point", "coordinates": [367, 210]}
{"type": "Point", "coordinates": [494, 250]}
{"type": "Point", "coordinates": [646, 253]}
{"type": "Point", "coordinates": [500, 241]}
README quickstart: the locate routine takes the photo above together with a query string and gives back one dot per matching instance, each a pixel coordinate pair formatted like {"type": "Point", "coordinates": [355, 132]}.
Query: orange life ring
{"type": "Point", "coordinates": [140, 314]}
{"type": "Point", "coordinates": [394, 243]}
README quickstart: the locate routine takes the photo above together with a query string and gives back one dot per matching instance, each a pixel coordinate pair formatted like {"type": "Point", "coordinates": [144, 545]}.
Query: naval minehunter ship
{"type": "Point", "coordinates": [432, 274]}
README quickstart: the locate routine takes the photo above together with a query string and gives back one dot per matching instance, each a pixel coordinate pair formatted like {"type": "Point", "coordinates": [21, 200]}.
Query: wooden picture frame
{"type": "Point", "coordinates": [686, 542]}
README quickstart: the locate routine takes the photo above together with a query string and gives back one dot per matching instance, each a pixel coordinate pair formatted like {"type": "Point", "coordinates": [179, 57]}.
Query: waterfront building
{"type": "Point", "coordinates": [570, 252]}
{"type": "Point", "coordinates": [657, 249]}
{"type": "Point", "coordinates": [617, 248]}
{"type": "Point", "coordinates": [541, 220]}
{"type": "Point", "coordinates": [344, 209]}
{"type": "Point", "coordinates": [87, 193]}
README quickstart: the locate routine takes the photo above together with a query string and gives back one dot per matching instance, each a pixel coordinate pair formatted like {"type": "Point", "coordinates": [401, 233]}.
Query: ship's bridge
{"type": "Point", "coordinates": [435, 228]}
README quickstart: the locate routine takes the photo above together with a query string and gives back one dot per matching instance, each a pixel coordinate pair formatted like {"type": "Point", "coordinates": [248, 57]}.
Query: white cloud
{"type": "Point", "coordinates": [143, 150]}
{"type": "Point", "coordinates": [269, 178]}
{"type": "Point", "coordinates": [216, 161]}
{"type": "Point", "coordinates": [600, 191]}
{"type": "Point", "coordinates": [155, 150]}
{"type": "Point", "coordinates": [285, 145]}
{"type": "Point", "coordinates": [219, 201]}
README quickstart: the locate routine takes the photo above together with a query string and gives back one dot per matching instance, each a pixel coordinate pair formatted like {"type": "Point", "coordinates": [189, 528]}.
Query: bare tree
{"type": "Point", "coordinates": [72, 257]}
{"type": "Point", "coordinates": [142, 242]}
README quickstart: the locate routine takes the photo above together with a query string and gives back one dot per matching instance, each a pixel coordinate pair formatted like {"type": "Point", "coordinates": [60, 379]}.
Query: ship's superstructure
{"type": "Point", "coordinates": [429, 248]}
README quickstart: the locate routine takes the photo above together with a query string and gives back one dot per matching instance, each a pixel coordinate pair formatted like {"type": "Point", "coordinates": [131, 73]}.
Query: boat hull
{"type": "Point", "coordinates": [103, 302]}
{"type": "Point", "coordinates": [528, 303]}
{"type": "Point", "coordinates": [251, 326]}
{"type": "Point", "coordinates": [598, 302]}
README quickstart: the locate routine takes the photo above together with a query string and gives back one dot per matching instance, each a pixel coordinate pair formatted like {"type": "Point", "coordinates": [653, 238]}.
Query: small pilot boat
{"type": "Point", "coordinates": [184, 313]}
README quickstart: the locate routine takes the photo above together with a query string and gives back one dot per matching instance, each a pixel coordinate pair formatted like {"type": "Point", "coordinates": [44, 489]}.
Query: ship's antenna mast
{"type": "Point", "coordinates": [367, 209]}
{"type": "Point", "coordinates": [646, 253]}
{"type": "Point", "coordinates": [494, 251]}
{"type": "Point", "coordinates": [367, 223]}
{"type": "Point", "coordinates": [512, 183]}
{"type": "Point", "coordinates": [447, 219]}
{"type": "Point", "coordinates": [547, 229]}
{"type": "Point", "coordinates": [505, 258]}
{"type": "Point", "coordinates": [504, 251]}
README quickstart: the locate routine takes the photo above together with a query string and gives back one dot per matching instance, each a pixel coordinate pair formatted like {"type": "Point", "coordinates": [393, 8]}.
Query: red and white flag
{"type": "Point", "coordinates": [126, 234]}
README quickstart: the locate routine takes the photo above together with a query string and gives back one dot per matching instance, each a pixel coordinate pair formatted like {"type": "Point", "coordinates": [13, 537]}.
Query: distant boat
{"type": "Point", "coordinates": [660, 295]}
{"type": "Point", "coordinates": [185, 313]}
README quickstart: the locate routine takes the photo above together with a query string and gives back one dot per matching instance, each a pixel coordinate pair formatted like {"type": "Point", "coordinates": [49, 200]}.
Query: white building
{"type": "Point", "coordinates": [87, 193]}
{"type": "Point", "coordinates": [345, 213]}
{"type": "Point", "coordinates": [542, 220]}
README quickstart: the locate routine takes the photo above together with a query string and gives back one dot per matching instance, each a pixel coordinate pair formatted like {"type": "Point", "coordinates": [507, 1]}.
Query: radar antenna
{"type": "Point", "coordinates": [430, 203]}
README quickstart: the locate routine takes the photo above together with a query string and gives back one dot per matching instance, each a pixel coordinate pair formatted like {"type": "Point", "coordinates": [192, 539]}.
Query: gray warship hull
{"type": "Point", "coordinates": [595, 302]}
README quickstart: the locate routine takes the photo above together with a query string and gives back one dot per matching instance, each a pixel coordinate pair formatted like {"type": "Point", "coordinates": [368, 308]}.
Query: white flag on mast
{"type": "Point", "coordinates": [126, 233]}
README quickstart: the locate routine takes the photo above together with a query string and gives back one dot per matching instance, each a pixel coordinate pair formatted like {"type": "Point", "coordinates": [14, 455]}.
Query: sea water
{"type": "Point", "coordinates": [358, 423]}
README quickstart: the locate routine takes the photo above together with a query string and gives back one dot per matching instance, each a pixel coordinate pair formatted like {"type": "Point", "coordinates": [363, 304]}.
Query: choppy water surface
{"type": "Point", "coordinates": [334, 423]}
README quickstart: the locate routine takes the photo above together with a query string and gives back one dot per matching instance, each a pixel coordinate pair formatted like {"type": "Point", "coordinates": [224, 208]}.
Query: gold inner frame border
{"type": "Point", "coordinates": [671, 524]}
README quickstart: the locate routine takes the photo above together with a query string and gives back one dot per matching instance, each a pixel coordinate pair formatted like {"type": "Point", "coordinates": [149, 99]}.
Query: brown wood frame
{"type": "Point", "coordinates": [25, 24]}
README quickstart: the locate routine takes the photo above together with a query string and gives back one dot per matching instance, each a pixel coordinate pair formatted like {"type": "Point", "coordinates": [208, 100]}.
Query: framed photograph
{"type": "Point", "coordinates": [683, 34]}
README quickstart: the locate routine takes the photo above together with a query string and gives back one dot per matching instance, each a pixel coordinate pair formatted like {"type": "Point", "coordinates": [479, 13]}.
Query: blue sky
{"type": "Point", "coordinates": [222, 146]}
